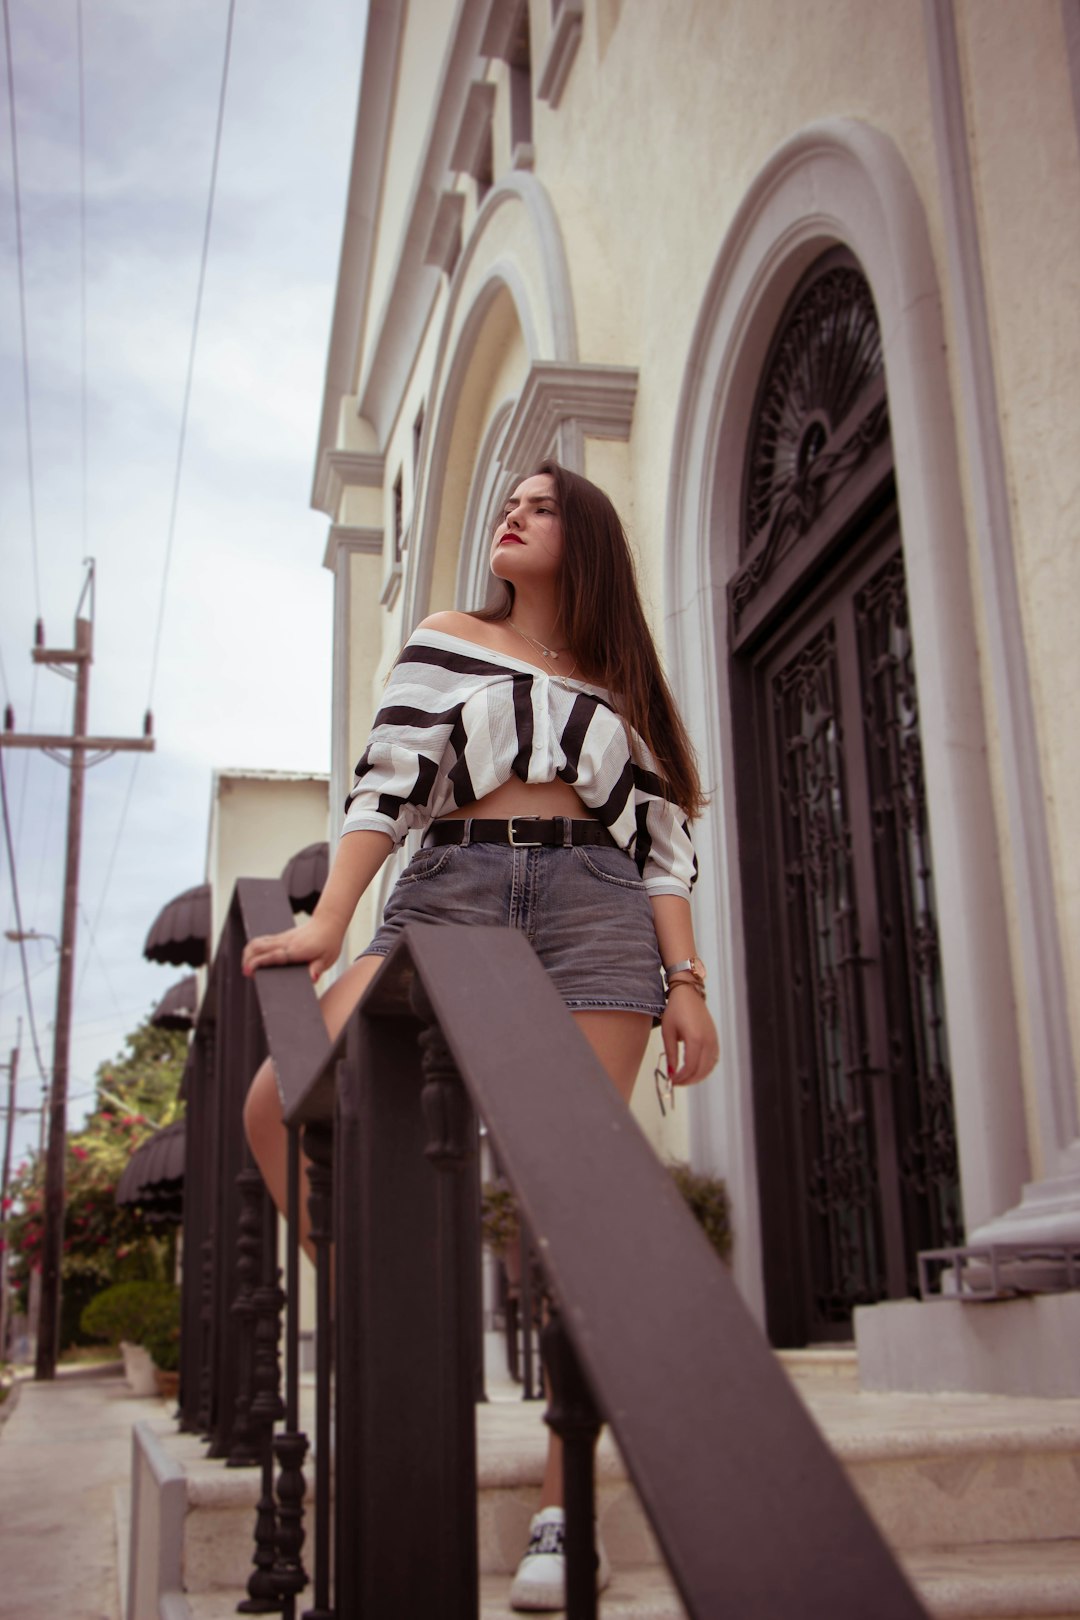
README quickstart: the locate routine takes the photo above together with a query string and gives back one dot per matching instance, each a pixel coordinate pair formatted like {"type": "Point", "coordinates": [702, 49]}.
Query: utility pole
{"type": "Point", "coordinates": [78, 752]}
{"type": "Point", "coordinates": [5, 1176]}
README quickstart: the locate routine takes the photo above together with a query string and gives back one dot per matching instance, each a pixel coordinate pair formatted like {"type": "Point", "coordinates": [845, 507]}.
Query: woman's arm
{"type": "Point", "coordinates": [686, 1019]}
{"type": "Point", "coordinates": [318, 941]}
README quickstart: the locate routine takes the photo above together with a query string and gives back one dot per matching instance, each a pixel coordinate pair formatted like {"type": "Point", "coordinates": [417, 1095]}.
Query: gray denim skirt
{"type": "Point", "coordinates": [584, 910]}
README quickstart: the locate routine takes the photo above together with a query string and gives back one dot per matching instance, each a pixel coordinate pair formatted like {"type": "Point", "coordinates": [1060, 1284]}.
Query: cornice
{"type": "Point", "coordinates": [597, 402]}
{"type": "Point", "coordinates": [382, 43]}
{"type": "Point", "coordinates": [351, 538]}
{"type": "Point", "coordinates": [339, 470]}
{"type": "Point", "coordinates": [562, 48]}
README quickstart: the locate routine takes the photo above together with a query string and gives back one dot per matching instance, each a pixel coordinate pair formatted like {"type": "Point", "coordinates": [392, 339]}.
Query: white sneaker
{"type": "Point", "coordinates": [540, 1583]}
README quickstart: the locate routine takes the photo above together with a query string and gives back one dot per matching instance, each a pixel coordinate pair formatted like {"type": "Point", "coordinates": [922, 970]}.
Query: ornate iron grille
{"type": "Point", "coordinates": [911, 964]}
{"type": "Point", "coordinates": [820, 411]}
{"type": "Point", "coordinates": [827, 1017]}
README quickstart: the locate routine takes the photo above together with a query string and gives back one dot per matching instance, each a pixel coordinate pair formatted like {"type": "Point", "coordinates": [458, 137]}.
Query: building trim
{"type": "Point", "coordinates": [566, 30]}
{"type": "Point", "coordinates": [840, 181]}
{"type": "Point", "coordinates": [596, 401]}
{"type": "Point", "coordinates": [351, 537]}
{"type": "Point", "coordinates": [339, 470]}
{"type": "Point", "coordinates": [1070, 18]}
{"type": "Point", "coordinates": [1034, 898]}
{"type": "Point", "coordinates": [414, 284]}
{"type": "Point", "coordinates": [378, 85]}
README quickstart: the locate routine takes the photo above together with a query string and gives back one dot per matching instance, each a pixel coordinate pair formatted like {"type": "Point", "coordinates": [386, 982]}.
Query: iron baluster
{"type": "Point", "coordinates": [573, 1415]}
{"type": "Point", "coordinates": [266, 1411]}
{"type": "Point", "coordinates": [319, 1150]}
{"type": "Point", "coordinates": [243, 1449]}
{"type": "Point", "coordinates": [451, 1147]}
{"type": "Point", "coordinates": [290, 1447]}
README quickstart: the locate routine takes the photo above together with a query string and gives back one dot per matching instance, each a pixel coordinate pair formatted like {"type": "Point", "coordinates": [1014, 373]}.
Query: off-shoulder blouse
{"type": "Point", "coordinates": [458, 720]}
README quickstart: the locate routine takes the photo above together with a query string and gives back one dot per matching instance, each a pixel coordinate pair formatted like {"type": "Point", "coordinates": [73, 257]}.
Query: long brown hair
{"type": "Point", "coordinates": [602, 619]}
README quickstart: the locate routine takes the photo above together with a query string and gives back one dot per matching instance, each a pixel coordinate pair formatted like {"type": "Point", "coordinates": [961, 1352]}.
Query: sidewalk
{"type": "Point", "coordinates": [65, 1463]}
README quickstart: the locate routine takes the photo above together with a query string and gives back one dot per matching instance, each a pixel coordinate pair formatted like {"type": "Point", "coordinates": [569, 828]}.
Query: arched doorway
{"type": "Point", "coordinates": [853, 1112]}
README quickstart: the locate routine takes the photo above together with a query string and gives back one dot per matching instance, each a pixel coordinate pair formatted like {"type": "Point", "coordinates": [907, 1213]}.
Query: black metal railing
{"type": "Point", "coordinates": [754, 1515]}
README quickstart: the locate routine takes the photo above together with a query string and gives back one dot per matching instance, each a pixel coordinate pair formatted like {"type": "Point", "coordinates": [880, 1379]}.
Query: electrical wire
{"type": "Point", "coordinates": [22, 309]}
{"type": "Point", "coordinates": [42, 1071]}
{"type": "Point", "coordinates": [191, 355]}
{"type": "Point", "coordinates": [175, 502]}
{"type": "Point", "coordinates": [82, 274]}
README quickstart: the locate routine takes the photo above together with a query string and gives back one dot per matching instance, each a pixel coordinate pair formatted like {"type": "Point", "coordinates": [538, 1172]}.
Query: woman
{"type": "Point", "coordinates": [538, 747]}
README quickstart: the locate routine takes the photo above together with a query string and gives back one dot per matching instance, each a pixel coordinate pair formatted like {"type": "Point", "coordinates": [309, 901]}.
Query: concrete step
{"type": "Point", "coordinates": [1021, 1581]}
{"type": "Point", "coordinates": [978, 1494]}
{"type": "Point", "coordinates": [1018, 1582]}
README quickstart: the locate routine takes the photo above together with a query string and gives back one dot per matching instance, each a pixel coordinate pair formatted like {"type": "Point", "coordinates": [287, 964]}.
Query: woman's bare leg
{"type": "Point", "coordinates": [263, 1123]}
{"type": "Point", "coordinates": [619, 1040]}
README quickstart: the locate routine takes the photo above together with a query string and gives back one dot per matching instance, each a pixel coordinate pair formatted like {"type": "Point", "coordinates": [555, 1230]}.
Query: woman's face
{"type": "Point", "coordinates": [528, 539]}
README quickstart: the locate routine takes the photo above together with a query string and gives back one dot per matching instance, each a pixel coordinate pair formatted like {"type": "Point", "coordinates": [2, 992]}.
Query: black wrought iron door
{"type": "Point", "coordinates": [855, 1102]}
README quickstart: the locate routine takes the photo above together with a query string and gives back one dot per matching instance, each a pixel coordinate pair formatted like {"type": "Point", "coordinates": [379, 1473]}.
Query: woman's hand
{"type": "Point", "coordinates": [316, 942]}
{"type": "Point", "coordinates": [686, 1021]}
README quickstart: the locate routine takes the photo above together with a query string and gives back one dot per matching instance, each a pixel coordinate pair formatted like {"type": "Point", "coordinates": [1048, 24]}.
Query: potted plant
{"type": "Point", "coordinates": [139, 1318]}
{"type": "Point", "coordinates": [500, 1227]}
{"type": "Point", "coordinates": [707, 1199]}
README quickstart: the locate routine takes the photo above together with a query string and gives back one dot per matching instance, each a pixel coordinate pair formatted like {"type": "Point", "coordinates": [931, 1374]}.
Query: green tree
{"type": "Point", "coordinates": [135, 1095]}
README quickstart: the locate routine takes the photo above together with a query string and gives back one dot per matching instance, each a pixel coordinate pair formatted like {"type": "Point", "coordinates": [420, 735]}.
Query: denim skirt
{"type": "Point", "coordinates": [583, 909]}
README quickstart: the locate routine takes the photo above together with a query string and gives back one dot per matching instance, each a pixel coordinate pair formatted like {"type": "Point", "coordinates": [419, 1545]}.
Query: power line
{"type": "Point", "coordinates": [191, 354]}
{"type": "Point", "coordinates": [175, 503]}
{"type": "Point", "coordinates": [22, 308]}
{"type": "Point", "coordinates": [42, 1071]}
{"type": "Point", "coordinates": [82, 270]}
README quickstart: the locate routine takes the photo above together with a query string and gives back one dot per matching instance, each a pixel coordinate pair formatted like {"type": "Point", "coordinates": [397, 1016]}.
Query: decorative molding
{"type": "Point", "coordinates": [413, 285]}
{"type": "Point", "coordinates": [1070, 17]}
{"type": "Point", "coordinates": [500, 29]}
{"type": "Point", "coordinates": [566, 28]}
{"type": "Point", "coordinates": [444, 242]}
{"type": "Point", "coordinates": [349, 537]}
{"type": "Point", "coordinates": [391, 587]}
{"type": "Point", "coordinates": [382, 44]}
{"type": "Point", "coordinates": [339, 470]}
{"type": "Point", "coordinates": [1034, 898]}
{"type": "Point", "coordinates": [471, 154]}
{"type": "Point", "coordinates": [595, 402]}
{"type": "Point", "coordinates": [842, 181]}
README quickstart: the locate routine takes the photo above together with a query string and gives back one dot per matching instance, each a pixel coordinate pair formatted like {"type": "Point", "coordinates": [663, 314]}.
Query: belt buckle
{"type": "Point", "coordinates": [522, 843]}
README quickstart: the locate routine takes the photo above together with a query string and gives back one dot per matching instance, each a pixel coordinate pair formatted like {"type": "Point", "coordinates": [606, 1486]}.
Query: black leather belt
{"type": "Point", "coordinates": [523, 832]}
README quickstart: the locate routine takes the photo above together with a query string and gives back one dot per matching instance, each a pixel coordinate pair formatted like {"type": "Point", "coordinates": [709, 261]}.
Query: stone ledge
{"type": "Point", "coordinates": [1007, 1347]}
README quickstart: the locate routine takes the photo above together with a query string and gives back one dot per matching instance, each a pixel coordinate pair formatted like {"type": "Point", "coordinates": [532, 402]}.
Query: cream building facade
{"type": "Point", "coordinates": [798, 286]}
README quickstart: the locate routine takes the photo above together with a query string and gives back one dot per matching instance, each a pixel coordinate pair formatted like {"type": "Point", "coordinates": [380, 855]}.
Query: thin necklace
{"type": "Point", "coordinates": [546, 652]}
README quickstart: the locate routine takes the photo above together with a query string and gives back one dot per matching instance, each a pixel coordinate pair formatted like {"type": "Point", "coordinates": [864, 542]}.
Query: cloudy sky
{"type": "Point", "coordinates": [243, 659]}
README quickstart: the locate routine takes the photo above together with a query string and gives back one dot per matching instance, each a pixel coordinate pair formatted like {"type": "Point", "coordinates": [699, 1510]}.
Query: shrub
{"type": "Point", "coordinates": [146, 1313]}
{"type": "Point", "coordinates": [707, 1198]}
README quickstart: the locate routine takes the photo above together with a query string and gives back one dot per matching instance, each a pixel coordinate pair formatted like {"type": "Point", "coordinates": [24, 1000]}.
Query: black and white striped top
{"type": "Point", "coordinates": [457, 721]}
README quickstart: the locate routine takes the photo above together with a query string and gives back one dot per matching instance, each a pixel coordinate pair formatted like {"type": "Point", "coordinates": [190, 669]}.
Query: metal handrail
{"type": "Point", "coordinates": [753, 1513]}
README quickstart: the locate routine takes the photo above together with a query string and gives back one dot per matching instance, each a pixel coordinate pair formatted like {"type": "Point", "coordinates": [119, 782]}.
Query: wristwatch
{"type": "Point", "coordinates": [696, 969]}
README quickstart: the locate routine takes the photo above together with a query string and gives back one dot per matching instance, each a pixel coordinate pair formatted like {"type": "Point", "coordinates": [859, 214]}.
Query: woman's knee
{"type": "Point", "coordinates": [262, 1110]}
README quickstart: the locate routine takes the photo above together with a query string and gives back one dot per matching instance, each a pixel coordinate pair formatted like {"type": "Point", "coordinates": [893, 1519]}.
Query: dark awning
{"type": "Point", "coordinates": [181, 933]}
{"type": "Point", "coordinates": [177, 1007]}
{"type": "Point", "coordinates": [305, 876]}
{"type": "Point", "coordinates": [153, 1177]}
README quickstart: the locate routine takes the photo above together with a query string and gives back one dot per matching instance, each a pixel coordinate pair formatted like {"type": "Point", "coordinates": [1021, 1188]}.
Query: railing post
{"type": "Point", "coordinates": [573, 1415]}
{"type": "Point", "coordinates": [405, 1509]}
{"type": "Point", "coordinates": [290, 1447]}
{"type": "Point", "coordinates": [319, 1149]}
{"type": "Point", "coordinates": [266, 1409]}
{"type": "Point", "coordinates": [243, 1448]}
{"type": "Point", "coordinates": [452, 1148]}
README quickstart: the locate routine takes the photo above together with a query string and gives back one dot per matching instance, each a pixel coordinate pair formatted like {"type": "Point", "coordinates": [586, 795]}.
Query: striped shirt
{"type": "Point", "coordinates": [457, 721]}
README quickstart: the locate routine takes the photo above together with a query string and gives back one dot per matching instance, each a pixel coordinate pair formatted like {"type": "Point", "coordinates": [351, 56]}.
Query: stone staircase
{"type": "Point", "coordinates": [978, 1495]}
